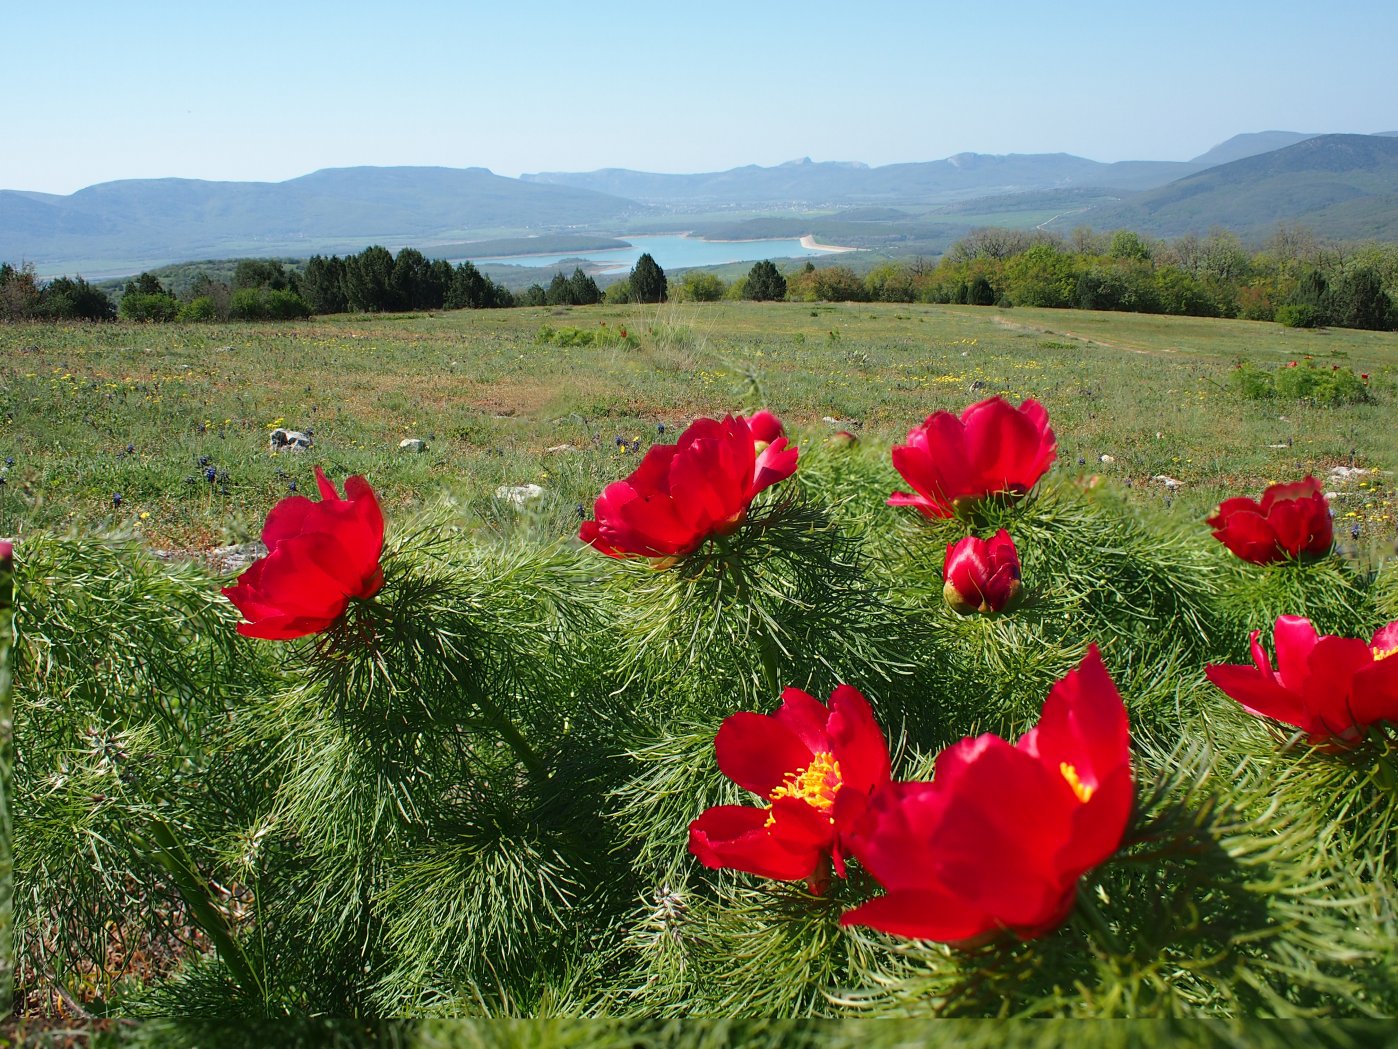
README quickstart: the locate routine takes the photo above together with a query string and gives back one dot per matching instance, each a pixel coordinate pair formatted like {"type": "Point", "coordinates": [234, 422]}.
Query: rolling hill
{"type": "Point", "coordinates": [1341, 186]}
{"type": "Point", "coordinates": [123, 226]}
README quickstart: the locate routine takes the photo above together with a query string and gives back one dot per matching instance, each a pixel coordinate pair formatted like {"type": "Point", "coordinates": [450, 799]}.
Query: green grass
{"type": "Point", "coordinates": [490, 398]}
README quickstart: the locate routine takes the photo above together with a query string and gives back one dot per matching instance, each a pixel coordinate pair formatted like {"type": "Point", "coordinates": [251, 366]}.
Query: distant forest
{"type": "Point", "coordinates": [1295, 279]}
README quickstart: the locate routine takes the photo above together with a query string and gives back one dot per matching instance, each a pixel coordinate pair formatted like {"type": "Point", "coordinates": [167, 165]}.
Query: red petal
{"type": "Point", "coordinates": [1097, 827]}
{"type": "Point", "coordinates": [327, 488]}
{"type": "Point", "coordinates": [1375, 689]}
{"type": "Point", "coordinates": [1302, 490]}
{"type": "Point", "coordinates": [1294, 639]}
{"type": "Point", "coordinates": [735, 837]}
{"type": "Point", "coordinates": [1083, 724]}
{"type": "Point", "coordinates": [765, 426]}
{"type": "Point", "coordinates": [925, 505]}
{"type": "Point", "coordinates": [707, 485]}
{"type": "Point", "coordinates": [797, 825]}
{"type": "Point", "coordinates": [758, 752]}
{"type": "Point", "coordinates": [1386, 638]}
{"type": "Point", "coordinates": [284, 628]}
{"type": "Point", "coordinates": [1229, 507]}
{"type": "Point", "coordinates": [1328, 695]}
{"type": "Point", "coordinates": [926, 914]}
{"type": "Point", "coordinates": [806, 717]}
{"type": "Point", "coordinates": [857, 741]}
{"type": "Point", "coordinates": [894, 836]}
{"type": "Point", "coordinates": [1009, 449]}
{"type": "Point", "coordinates": [776, 463]}
{"type": "Point", "coordinates": [1259, 693]}
{"type": "Point", "coordinates": [1000, 834]}
{"type": "Point", "coordinates": [286, 519]}
{"type": "Point", "coordinates": [1250, 537]}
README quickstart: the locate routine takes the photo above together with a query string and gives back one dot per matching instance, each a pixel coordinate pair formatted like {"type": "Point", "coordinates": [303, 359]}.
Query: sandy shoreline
{"type": "Point", "coordinates": [809, 243]}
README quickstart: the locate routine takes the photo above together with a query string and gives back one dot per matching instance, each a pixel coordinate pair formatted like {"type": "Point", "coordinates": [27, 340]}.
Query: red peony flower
{"type": "Point", "coordinates": [319, 557]}
{"type": "Point", "coordinates": [982, 575]}
{"type": "Point", "coordinates": [993, 448]}
{"type": "Point", "coordinates": [683, 493]}
{"type": "Point", "coordinates": [1000, 837]}
{"type": "Point", "coordinates": [765, 428]}
{"type": "Point", "coordinates": [1291, 521]}
{"type": "Point", "coordinates": [810, 762]}
{"type": "Point", "coordinates": [1331, 688]}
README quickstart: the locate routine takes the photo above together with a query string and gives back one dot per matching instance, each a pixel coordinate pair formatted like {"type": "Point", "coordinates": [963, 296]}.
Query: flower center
{"type": "Point", "coordinates": [816, 784]}
{"type": "Point", "coordinates": [1081, 789]}
{"type": "Point", "coordinates": [1384, 653]}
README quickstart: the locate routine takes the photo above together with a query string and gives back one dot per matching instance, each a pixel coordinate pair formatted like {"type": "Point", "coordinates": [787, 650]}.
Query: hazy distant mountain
{"type": "Point", "coordinates": [1342, 186]}
{"type": "Point", "coordinates": [1250, 145]}
{"type": "Point", "coordinates": [134, 223]}
{"type": "Point", "coordinates": [827, 182]}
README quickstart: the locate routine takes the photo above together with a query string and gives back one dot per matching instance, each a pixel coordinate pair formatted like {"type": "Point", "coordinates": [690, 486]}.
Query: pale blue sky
{"type": "Point", "coordinates": [268, 91]}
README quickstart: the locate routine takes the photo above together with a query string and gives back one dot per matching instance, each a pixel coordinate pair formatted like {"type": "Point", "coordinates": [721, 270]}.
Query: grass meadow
{"type": "Point", "coordinates": [174, 419]}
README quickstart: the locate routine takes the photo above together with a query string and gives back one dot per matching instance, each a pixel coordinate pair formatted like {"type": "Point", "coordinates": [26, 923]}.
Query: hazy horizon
{"type": "Point", "coordinates": [268, 92]}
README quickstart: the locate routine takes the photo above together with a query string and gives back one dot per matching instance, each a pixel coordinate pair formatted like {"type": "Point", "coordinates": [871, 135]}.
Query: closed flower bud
{"type": "Point", "coordinates": [982, 575]}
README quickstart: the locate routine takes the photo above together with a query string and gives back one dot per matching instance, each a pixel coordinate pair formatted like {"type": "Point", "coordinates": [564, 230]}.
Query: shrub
{"type": "Point", "coordinates": [285, 306]}
{"type": "Point", "coordinates": [602, 335]}
{"type": "Point", "coordinates": [143, 307]}
{"type": "Point", "coordinates": [1328, 387]}
{"type": "Point", "coordinates": [1323, 387]}
{"type": "Point", "coordinates": [839, 284]}
{"type": "Point", "coordinates": [701, 287]}
{"type": "Point", "coordinates": [1297, 315]}
{"type": "Point", "coordinates": [199, 309]}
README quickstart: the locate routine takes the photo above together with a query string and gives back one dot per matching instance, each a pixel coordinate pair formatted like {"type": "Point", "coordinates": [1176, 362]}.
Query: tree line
{"type": "Point", "coordinates": [1294, 280]}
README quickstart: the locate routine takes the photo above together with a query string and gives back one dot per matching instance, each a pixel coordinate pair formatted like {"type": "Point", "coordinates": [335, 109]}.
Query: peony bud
{"type": "Point", "coordinates": [982, 575]}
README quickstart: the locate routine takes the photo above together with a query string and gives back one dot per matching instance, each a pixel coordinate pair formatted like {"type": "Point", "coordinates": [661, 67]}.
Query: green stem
{"type": "Point", "coordinates": [515, 739]}
{"type": "Point", "coordinates": [1088, 907]}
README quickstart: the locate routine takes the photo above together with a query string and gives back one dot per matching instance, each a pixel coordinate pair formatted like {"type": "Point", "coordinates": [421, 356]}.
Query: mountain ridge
{"type": "Point", "coordinates": [1338, 183]}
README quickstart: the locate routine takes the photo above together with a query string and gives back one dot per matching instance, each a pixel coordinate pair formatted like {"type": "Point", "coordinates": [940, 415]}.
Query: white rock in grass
{"type": "Point", "coordinates": [412, 444]}
{"type": "Point", "coordinates": [1173, 484]}
{"type": "Point", "coordinates": [1106, 458]}
{"type": "Point", "coordinates": [562, 448]}
{"type": "Point", "coordinates": [283, 440]}
{"type": "Point", "coordinates": [518, 494]}
{"type": "Point", "coordinates": [1344, 474]}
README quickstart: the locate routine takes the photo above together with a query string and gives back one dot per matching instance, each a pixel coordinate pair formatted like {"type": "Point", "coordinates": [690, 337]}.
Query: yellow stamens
{"type": "Point", "coordinates": [816, 784]}
{"type": "Point", "coordinates": [1081, 789]}
{"type": "Point", "coordinates": [1384, 653]}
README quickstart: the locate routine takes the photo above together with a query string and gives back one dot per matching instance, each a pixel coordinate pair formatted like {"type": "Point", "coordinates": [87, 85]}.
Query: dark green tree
{"type": "Point", "coordinates": [647, 280]}
{"type": "Point", "coordinates": [1358, 300]}
{"type": "Point", "coordinates": [323, 284]}
{"type": "Point", "coordinates": [260, 273]}
{"type": "Point", "coordinates": [559, 292]}
{"type": "Point", "coordinates": [145, 284]}
{"type": "Point", "coordinates": [408, 283]}
{"type": "Point", "coordinates": [467, 290]}
{"type": "Point", "coordinates": [534, 295]}
{"type": "Point", "coordinates": [583, 288]}
{"type": "Point", "coordinates": [368, 278]}
{"type": "Point", "coordinates": [66, 298]}
{"type": "Point", "coordinates": [765, 283]}
{"type": "Point", "coordinates": [980, 293]}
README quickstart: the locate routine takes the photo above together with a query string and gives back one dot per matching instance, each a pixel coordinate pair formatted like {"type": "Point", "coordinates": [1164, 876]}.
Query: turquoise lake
{"type": "Point", "coordinates": [673, 251]}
